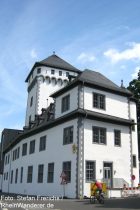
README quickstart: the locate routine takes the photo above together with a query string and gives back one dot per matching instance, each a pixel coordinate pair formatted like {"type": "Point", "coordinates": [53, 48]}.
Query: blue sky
{"type": "Point", "coordinates": [100, 35]}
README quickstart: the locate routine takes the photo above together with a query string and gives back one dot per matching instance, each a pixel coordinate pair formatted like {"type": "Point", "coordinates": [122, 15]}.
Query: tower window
{"type": "Point", "coordinates": [52, 71]}
{"type": "Point", "coordinates": [67, 74]}
{"type": "Point", "coordinates": [38, 70]}
{"type": "Point", "coordinates": [60, 73]}
{"type": "Point", "coordinates": [31, 102]}
{"type": "Point", "coordinates": [29, 118]}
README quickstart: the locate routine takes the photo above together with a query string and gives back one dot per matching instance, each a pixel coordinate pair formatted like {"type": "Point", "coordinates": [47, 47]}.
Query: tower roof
{"type": "Point", "coordinates": [54, 61]}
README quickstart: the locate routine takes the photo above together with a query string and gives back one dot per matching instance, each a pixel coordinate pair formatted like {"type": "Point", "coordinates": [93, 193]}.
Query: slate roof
{"type": "Point", "coordinates": [96, 80]}
{"type": "Point", "coordinates": [54, 61]}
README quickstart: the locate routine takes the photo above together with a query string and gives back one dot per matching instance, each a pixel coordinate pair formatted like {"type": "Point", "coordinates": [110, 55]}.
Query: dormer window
{"type": "Point", "coordinates": [52, 71]}
{"type": "Point", "coordinates": [38, 70]}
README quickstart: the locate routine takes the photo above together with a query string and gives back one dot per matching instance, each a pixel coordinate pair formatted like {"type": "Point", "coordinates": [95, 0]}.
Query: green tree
{"type": "Point", "coordinates": [134, 87]}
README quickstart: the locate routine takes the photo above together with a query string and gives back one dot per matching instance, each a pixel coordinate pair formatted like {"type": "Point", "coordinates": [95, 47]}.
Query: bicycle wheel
{"type": "Point", "coordinates": [101, 200]}
{"type": "Point", "coordinates": [92, 199]}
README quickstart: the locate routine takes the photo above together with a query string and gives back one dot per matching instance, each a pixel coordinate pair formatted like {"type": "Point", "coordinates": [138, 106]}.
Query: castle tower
{"type": "Point", "coordinates": [46, 77]}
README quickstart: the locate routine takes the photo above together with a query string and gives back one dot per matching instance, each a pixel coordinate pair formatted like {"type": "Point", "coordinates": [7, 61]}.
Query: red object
{"type": "Point", "coordinates": [133, 177]}
{"type": "Point", "coordinates": [99, 185]}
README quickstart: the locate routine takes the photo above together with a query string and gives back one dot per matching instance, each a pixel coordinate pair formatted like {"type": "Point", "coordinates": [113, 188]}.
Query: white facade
{"type": "Point", "coordinates": [54, 149]}
{"type": "Point", "coordinates": [112, 162]}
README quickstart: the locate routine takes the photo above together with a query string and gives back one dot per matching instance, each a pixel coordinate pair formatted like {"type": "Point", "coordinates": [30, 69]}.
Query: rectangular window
{"type": "Point", "coordinates": [30, 174]}
{"type": "Point", "coordinates": [68, 135]}
{"type": "Point", "coordinates": [7, 176]}
{"type": "Point", "coordinates": [18, 152]}
{"type": "Point", "coordinates": [24, 149]}
{"type": "Point", "coordinates": [32, 147]}
{"type": "Point", "coordinates": [31, 101]}
{"type": "Point", "coordinates": [16, 176]}
{"type": "Point", "coordinates": [60, 73]}
{"type": "Point", "coordinates": [98, 101]}
{"type": "Point", "coordinates": [90, 171]}
{"type": "Point", "coordinates": [11, 181]}
{"type": "Point", "coordinates": [40, 173]}
{"type": "Point", "coordinates": [5, 159]}
{"type": "Point", "coordinates": [65, 106]}
{"type": "Point", "coordinates": [134, 161]}
{"type": "Point", "coordinates": [42, 145]}
{"type": "Point", "coordinates": [99, 135]}
{"type": "Point", "coordinates": [50, 172]}
{"type": "Point", "coordinates": [30, 118]}
{"type": "Point", "coordinates": [21, 175]}
{"type": "Point", "coordinates": [67, 170]}
{"type": "Point", "coordinates": [8, 159]}
{"type": "Point", "coordinates": [38, 70]}
{"type": "Point", "coordinates": [52, 71]}
{"type": "Point", "coordinates": [67, 74]}
{"type": "Point", "coordinates": [117, 138]}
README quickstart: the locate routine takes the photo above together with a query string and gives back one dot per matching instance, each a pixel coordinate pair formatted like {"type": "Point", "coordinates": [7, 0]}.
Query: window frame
{"type": "Point", "coordinates": [67, 136]}
{"type": "Point", "coordinates": [52, 71]}
{"type": "Point", "coordinates": [99, 135]}
{"type": "Point", "coordinates": [98, 103]}
{"type": "Point", "coordinates": [11, 178]}
{"type": "Point", "coordinates": [134, 161]}
{"type": "Point", "coordinates": [117, 139]}
{"type": "Point", "coordinates": [32, 148]}
{"type": "Point", "coordinates": [30, 174]}
{"type": "Point", "coordinates": [40, 173]}
{"type": "Point", "coordinates": [67, 170]}
{"type": "Point", "coordinates": [38, 70]}
{"type": "Point", "coordinates": [50, 177]}
{"type": "Point", "coordinates": [21, 174]}
{"type": "Point", "coordinates": [31, 101]}
{"type": "Point", "coordinates": [90, 177]}
{"type": "Point", "coordinates": [24, 149]}
{"type": "Point", "coordinates": [60, 73]}
{"type": "Point", "coordinates": [16, 176]}
{"type": "Point", "coordinates": [65, 103]}
{"type": "Point", "coordinates": [42, 143]}
{"type": "Point", "coordinates": [67, 74]}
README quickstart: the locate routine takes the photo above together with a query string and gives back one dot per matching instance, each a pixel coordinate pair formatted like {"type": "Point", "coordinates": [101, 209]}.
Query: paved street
{"type": "Point", "coordinates": [110, 204]}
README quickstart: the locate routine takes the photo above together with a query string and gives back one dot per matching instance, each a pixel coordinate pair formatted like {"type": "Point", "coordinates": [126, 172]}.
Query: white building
{"type": "Point", "coordinates": [89, 133]}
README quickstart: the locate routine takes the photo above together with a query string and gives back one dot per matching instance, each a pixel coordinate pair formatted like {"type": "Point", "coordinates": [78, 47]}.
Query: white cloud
{"type": "Point", "coordinates": [33, 53]}
{"type": "Point", "coordinates": [85, 57]}
{"type": "Point", "coordinates": [135, 74]}
{"type": "Point", "coordinates": [128, 54]}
